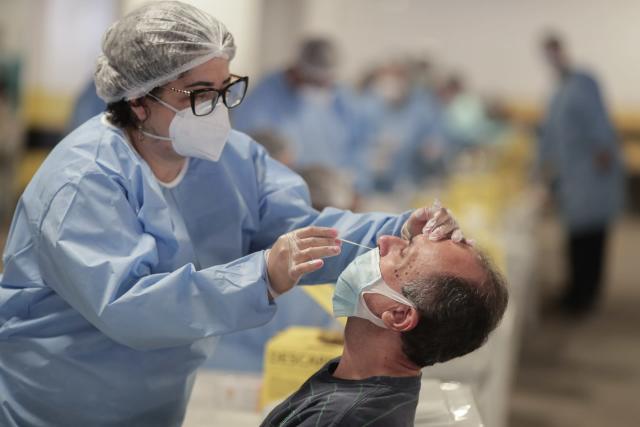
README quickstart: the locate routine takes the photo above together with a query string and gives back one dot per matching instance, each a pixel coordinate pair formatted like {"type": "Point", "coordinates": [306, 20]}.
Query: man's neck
{"type": "Point", "coordinates": [370, 351]}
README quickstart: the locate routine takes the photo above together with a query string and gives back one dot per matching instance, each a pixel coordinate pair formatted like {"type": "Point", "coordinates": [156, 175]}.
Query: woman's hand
{"type": "Point", "coordinates": [436, 222]}
{"type": "Point", "coordinates": [297, 253]}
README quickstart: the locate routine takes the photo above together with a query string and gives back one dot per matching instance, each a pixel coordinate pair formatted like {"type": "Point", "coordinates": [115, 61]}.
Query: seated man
{"type": "Point", "coordinates": [410, 305]}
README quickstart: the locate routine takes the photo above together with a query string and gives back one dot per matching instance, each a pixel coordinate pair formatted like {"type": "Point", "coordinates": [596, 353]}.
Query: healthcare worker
{"type": "Point", "coordinates": [467, 124]}
{"type": "Point", "coordinates": [151, 230]}
{"type": "Point", "coordinates": [406, 139]}
{"type": "Point", "coordinates": [579, 150]}
{"type": "Point", "coordinates": [320, 118]}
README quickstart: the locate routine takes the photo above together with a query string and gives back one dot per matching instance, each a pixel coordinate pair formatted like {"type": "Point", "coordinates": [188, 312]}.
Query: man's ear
{"type": "Point", "coordinates": [139, 108]}
{"type": "Point", "coordinates": [400, 318]}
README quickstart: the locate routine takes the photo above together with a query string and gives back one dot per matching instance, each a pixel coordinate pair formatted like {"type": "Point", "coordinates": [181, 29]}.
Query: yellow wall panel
{"type": "Point", "coordinates": [47, 110]}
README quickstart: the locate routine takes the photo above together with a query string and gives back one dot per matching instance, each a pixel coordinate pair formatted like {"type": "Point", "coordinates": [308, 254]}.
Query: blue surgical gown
{"type": "Point", "coordinates": [575, 129]}
{"type": "Point", "coordinates": [102, 322]}
{"type": "Point", "coordinates": [399, 136]}
{"type": "Point", "coordinates": [329, 135]}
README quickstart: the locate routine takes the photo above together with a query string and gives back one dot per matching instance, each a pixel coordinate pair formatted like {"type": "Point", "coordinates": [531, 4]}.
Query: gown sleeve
{"type": "Point", "coordinates": [592, 118]}
{"type": "Point", "coordinates": [95, 254]}
{"type": "Point", "coordinates": [284, 206]}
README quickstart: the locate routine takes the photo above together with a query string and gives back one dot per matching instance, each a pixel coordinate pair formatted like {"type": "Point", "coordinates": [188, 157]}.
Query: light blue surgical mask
{"type": "Point", "coordinates": [360, 277]}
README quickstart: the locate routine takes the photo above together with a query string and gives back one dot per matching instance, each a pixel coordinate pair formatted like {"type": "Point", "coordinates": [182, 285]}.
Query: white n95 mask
{"type": "Point", "coordinates": [197, 136]}
{"type": "Point", "coordinates": [361, 277]}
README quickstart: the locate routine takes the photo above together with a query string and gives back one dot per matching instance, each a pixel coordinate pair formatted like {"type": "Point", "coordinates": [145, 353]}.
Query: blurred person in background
{"type": "Point", "coordinates": [465, 115]}
{"type": "Point", "coordinates": [499, 122]}
{"type": "Point", "coordinates": [10, 151]}
{"type": "Point", "coordinates": [424, 73]}
{"type": "Point", "coordinates": [305, 104]}
{"type": "Point", "coordinates": [153, 229]}
{"type": "Point", "coordinates": [405, 142]}
{"type": "Point", "coordinates": [87, 105]}
{"type": "Point", "coordinates": [329, 188]}
{"type": "Point", "coordinates": [276, 145]}
{"type": "Point", "coordinates": [579, 154]}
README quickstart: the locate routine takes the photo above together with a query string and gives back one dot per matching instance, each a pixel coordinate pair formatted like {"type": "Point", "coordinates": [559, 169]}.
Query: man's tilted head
{"type": "Point", "coordinates": [457, 293]}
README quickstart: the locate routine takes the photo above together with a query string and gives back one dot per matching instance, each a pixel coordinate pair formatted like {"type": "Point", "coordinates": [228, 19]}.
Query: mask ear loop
{"type": "Point", "coordinates": [387, 292]}
{"type": "Point", "coordinates": [163, 103]}
{"type": "Point", "coordinates": [140, 135]}
{"type": "Point", "coordinates": [144, 133]}
{"type": "Point", "coordinates": [381, 287]}
{"type": "Point", "coordinates": [390, 293]}
{"type": "Point", "coordinates": [368, 314]}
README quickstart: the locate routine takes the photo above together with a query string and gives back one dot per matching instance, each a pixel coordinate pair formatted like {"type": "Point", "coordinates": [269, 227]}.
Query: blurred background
{"type": "Point", "coordinates": [488, 106]}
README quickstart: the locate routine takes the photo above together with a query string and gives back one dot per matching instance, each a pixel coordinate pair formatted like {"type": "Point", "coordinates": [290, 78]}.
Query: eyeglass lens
{"type": "Point", "coordinates": [235, 93]}
{"type": "Point", "coordinates": [204, 102]}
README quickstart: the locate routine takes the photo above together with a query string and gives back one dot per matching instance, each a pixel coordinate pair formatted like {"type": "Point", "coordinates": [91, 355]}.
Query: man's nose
{"type": "Point", "coordinates": [386, 243]}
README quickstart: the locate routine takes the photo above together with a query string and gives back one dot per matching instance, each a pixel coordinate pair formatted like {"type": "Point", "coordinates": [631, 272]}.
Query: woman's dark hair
{"type": "Point", "coordinates": [120, 114]}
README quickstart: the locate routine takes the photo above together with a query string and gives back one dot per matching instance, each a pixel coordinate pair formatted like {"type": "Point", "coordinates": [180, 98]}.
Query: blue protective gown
{"type": "Point", "coordinates": [328, 135]}
{"type": "Point", "coordinates": [575, 129]}
{"type": "Point", "coordinates": [398, 137]}
{"type": "Point", "coordinates": [102, 320]}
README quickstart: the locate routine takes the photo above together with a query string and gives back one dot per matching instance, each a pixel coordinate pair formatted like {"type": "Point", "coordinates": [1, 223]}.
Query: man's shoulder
{"type": "Point", "coordinates": [584, 78]}
{"type": "Point", "coordinates": [382, 405]}
{"type": "Point", "coordinates": [317, 402]}
{"type": "Point", "coordinates": [353, 404]}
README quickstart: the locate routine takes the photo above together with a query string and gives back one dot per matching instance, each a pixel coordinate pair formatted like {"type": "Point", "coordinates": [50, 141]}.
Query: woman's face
{"type": "Point", "coordinates": [157, 117]}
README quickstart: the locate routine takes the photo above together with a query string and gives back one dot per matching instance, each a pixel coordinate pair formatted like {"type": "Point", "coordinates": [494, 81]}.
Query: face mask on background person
{"type": "Point", "coordinates": [360, 277]}
{"type": "Point", "coordinates": [392, 90]}
{"type": "Point", "coordinates": [317, 96]}
{"type": "Point", "coordinates": [197, 136]}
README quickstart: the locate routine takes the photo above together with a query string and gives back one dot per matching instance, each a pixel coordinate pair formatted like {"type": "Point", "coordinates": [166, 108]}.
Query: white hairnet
{"type": "Point", "coordinates": [154, 44]}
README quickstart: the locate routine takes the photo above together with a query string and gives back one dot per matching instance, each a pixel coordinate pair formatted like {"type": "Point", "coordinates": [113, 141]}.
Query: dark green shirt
{"type": "Point", "coordinates": [328, 401]}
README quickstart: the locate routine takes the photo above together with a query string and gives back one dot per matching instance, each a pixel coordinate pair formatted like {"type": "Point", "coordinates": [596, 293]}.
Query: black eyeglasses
{"type": "Point", "coordinates": [203, 101]}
